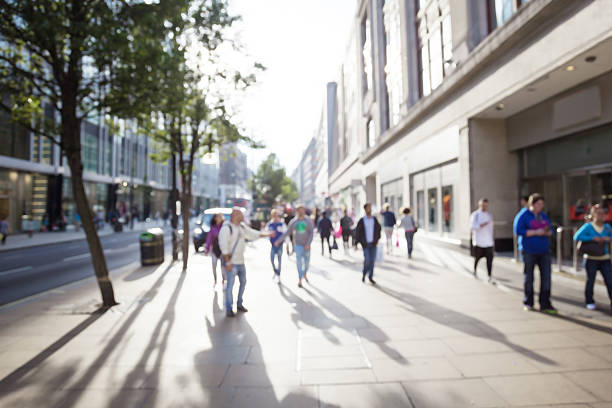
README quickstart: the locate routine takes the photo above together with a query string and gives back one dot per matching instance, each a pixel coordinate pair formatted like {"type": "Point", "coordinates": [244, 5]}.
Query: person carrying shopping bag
{"type": "Point", "coordinates": [594, 239]}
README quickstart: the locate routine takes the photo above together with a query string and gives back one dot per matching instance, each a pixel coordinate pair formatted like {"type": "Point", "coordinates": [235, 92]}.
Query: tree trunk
{"type": "Point", "coordinates": [71, 137]}
{"type": "Point", "coordinates": [186, 208]}
{"type": "Point", "coordinates": [174, 221]}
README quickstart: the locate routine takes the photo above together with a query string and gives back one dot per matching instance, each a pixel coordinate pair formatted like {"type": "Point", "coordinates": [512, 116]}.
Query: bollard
{"type": "Point", "coordinates": [515, 244]}
{"type": "Point", "coordinates": [559, 254]}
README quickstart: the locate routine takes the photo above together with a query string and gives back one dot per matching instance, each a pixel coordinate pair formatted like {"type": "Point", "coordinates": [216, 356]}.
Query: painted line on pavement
{"type": "Point", "coordinates": [75, 257]}
{"type": "Point", "coordinates": [16, 270]}
{"type": "Point", "coordinates": [363, 353]}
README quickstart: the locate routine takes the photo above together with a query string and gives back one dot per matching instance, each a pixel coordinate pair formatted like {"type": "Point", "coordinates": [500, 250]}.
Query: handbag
{"type": "Point", "coordinates": [591, 248]}
{"type": "Point", "coordinates": [335, 244]}
{"type": "Point", "coordinates": [223, 263]}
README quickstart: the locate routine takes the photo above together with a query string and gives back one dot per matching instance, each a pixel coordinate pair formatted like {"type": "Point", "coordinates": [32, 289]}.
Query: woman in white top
{"type": "Point", "coordinates": [410, 227]}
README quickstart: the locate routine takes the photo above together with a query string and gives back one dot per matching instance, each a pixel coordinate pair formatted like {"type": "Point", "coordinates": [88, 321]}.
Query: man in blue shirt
{"type": "Point", "coordinates": [367, 234]}
{"type": "Point", "coordinates": [534, 230]}
{"type": "Point", "coordinates": [389, 222]}
{"type": "Point", "coordinates": [278, 227]}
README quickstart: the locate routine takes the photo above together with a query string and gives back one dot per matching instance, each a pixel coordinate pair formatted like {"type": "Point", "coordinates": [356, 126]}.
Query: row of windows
{"type": "Point", "coordinates": [434, 57]}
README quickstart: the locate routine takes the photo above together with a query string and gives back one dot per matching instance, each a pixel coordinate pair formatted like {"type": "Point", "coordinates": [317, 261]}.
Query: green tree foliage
{"type": "Point", "coordinates": [119, 58]}
{"type": "Point", "coordinates": [271, 184]}
{"type": "Point", "coordinates": [189, 115]}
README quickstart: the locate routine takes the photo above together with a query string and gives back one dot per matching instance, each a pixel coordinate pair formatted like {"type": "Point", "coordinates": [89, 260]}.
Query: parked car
{"type": "Point", "coordinates": [203, 225]}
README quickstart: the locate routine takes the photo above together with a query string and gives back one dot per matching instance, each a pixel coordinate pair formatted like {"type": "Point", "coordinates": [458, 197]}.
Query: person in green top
{"type": "Point", "coordinates": [597, 231]}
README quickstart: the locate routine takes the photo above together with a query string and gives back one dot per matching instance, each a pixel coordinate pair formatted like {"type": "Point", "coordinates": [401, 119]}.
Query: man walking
{"type": "Point", "coordinates": [534, 230]}
{"type": "Point", "coordinates": [367, 234]}
{"type": "Point", "coordinates": [232, 243]}
{"type": "Point", "coordinates": [277, 227]}
{"type": "Point", "coordinates": [302, 230]}
{"type": "Point", "coordinates": [325, 229]}
{"type": "Point", "coordinates": [389, 222]}
{"type": "Point", "coordinates": [482, 236]}
{"type": "Point", "coordinates": [346, 223]}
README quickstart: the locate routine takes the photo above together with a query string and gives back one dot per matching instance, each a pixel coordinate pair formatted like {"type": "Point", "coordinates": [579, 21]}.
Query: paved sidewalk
{"type": "Point", "coordinates": [428, 335]}
{"type": "Point", "coordinates": [20, 241]}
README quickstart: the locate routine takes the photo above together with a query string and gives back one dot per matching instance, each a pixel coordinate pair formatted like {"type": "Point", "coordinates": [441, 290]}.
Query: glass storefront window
{"type": "Point", "coordinates": [601, 192]}
{"type": "Point", "coordinates": [432, 209]}
{"type": "Point", "coordinates": [420, 210]}
{"type": "Point", "coordinates": [447, 208]}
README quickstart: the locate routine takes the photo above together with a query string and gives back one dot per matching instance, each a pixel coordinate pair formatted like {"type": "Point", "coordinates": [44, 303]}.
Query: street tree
{"type": "Point", "coordinates": [83, 58]}
{"type": "Point", "coordinates": [271, 184]}
{"type": "Point", "coordinates": [191, 105]}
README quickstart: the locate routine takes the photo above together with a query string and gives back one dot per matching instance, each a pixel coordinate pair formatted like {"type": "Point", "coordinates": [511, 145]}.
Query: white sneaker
{"type": "Point", "coordinates": [591, 306]}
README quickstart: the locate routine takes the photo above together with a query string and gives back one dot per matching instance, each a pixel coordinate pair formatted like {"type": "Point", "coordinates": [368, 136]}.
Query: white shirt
{"type": "Point", "coordinates": [227, 239]}
{"type": "Point", "coordinates": [482, 236]}
{"type": "Point", "coordinates": [368, 224]}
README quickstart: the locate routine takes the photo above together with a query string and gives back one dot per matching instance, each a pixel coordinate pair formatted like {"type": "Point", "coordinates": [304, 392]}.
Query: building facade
{"type": "Point", "coordinates": [442, 102]}
{"type": "Point", "coordinates": [35, 189]}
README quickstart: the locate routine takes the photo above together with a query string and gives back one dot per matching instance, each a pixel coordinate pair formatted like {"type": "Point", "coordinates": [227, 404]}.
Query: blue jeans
{"type": "Point", "coordinates": [302, 259]}
{"type": "Point", "coordinates": [409, 238]}
{"type": "Point", "coordinates": [276, 252]}
{"type": "Point", "coordinates": [369, 257]}
{"type": "Point", "coordinates": [592, 266]}
{"type": "Point", "coordinates": [543, 262]}
{"type": "Point", "coordinates": [239, 270]}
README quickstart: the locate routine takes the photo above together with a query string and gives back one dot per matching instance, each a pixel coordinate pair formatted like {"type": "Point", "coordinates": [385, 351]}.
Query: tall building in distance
{"type": "Point", "coordinates": [233, 177]}
{"type": "Point", "coordinates": [441, 102]}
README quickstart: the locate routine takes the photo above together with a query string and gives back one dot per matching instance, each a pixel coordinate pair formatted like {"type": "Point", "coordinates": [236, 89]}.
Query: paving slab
{"type": "Point", "coordinates": [425, 336]}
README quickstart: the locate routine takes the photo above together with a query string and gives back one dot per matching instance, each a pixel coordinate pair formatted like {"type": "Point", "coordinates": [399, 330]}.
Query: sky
{"type": "Point", "coordinates": [302, 45]}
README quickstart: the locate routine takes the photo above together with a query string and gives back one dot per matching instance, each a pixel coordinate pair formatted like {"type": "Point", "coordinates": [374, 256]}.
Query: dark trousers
{"type": "Point", "coordinates": [543, 262]}
{"type": "Point", "coordinates": [409, 239]}
{"type": "Point", "coordinates": [369, 257]}
{"type": "Point", "coordinates": [329, 248]}
{"type": "Point", "coordinates": [592, 266]}
{"type": "Point", "coordinates": [480, 252]}
{"type": "Point", "coordinates": [345, 237]}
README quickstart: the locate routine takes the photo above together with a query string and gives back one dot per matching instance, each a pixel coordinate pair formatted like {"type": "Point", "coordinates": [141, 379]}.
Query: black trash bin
{"type": "Point", "coordinates": [152, 247]}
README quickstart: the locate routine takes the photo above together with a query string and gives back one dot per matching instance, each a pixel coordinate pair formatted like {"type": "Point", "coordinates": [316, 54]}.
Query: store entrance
{"type": "Point", "coordinates": [569, 197]}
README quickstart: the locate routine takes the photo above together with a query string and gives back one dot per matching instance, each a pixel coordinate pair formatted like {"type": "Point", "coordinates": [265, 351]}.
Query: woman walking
{"type": "Point", "coordinates": [409, 226]}
{"type": "Point", "coordinates": [595, 237]}
{"type": "Point", "coordinates": [277, 227]}
{"type": "Point", "coordinates": [212, 245]}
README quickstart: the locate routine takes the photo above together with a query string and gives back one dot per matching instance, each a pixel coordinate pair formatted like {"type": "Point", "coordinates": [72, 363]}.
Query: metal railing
{"type": "Point", "coordinates": [574, 258]}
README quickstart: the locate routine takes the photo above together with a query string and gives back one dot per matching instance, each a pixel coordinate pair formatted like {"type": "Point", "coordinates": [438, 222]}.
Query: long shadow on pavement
{"type": "Point", "coordinates": [9, 382]}
{"type": "Point", "coordinates": [434, 312]}
{"type": "Point", "coordinates": [340, 312]}
{"type": "Point", "coordinates": [158, 343]}
{"type": "Point", "coordinates": [263, 394]}
{"type": "Point", "coordinates": [81, 385]}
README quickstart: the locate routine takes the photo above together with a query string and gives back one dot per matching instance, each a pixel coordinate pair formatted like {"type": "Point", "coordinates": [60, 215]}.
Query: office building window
{"type": "Point", "coordinates": [393, 59]}
{"type": "Point", "coordinates": [500, 11]}
{"type": "Point", "coordinates": [371, 133]}
{"type": "Point", "coordinates": [435, 43]}
{"type": "Point", "coordinates": [366, 55]}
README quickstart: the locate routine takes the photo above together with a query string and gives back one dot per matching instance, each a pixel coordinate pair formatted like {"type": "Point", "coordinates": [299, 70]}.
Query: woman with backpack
{"type": "Point", "coordinates": [594, 238]}
{"type": "Point", "coordinates": [212, 245]}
